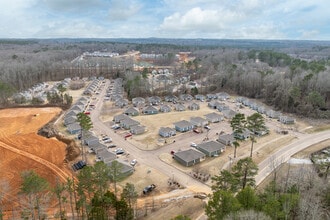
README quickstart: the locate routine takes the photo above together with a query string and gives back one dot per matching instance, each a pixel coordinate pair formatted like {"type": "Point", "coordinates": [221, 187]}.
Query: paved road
{"type": "Point", "coordinates": [151, 158]}
{"type": "Point", "coordinates": [284, 154]}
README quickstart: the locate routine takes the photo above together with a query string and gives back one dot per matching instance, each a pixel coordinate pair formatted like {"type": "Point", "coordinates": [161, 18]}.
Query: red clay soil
{"type": "Point", "coordinates": [22, 149]}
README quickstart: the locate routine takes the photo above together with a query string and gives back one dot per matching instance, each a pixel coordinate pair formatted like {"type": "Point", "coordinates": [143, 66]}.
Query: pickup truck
{"type": "Point", "coordinates": [149, 188]}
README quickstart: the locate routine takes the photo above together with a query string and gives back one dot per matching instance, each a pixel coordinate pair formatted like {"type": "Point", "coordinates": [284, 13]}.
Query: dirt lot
{"type": "Point", "coordinates": [22, 149]}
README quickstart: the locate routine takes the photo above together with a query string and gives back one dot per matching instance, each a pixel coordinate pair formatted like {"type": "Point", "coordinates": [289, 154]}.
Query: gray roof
{"type": "Point", "coordinates": [129, 122]}
{"type": "Point", "coordinates": [166, 130]}
{"type": "Point", "coordinates": [74, 126]}
{"type": "Point", "coordinates": [120, 117]}
{"type": "Point", "coordinates": [227, 137]}
{"type": "Point", "coordinates": [198, 120]}
{"type": "Point", "coordinates": [105, 155]}
{"type": "Point", "coordinates": [131, 110]}
{"type": "Point", "coordinates": [124, 167]}
{"type": "Point", "coordinates": [211, 146]}
{"type": "Point", "coordinates": [189, 155]}
{"type": "Point", "coordinates": [213, 115]}
{"type": "Point", "coordinates": [183, 124]}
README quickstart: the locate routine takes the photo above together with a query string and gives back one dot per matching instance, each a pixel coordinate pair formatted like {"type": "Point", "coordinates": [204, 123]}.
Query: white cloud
{"type": "Point", "coordinates": [123, 10]}
{"type": "Point", "coordinates": [198, 19]}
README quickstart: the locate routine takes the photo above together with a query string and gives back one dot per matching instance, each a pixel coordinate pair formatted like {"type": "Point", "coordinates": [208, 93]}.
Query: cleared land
{"type": "Point", "coordinates": [21, 148]}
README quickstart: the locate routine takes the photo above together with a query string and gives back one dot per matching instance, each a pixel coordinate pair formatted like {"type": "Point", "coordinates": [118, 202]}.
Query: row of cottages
{"type": "Point", "coordinates": [220, 96]}
{"type": "Point", "coordinates": [183, 126]}
{"type": "Point", "coordinates": [91, 87]}
{"type": "Point", "coordinates": [263, 110]}
{"type": "Point", "coordinates": [218, 105]}
{"type": "Point", "coordinates": [70, 118]}
{"type": "Point", "coordinates": [191, 157]}
{"type": "Point", "coordinates": [138, 101]}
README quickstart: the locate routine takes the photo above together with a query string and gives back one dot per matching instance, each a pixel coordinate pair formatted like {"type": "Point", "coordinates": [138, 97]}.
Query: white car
{"type": "Point", "coordinates": [193, 144]}
{"type": "Point", "coordinates": [133, 162]}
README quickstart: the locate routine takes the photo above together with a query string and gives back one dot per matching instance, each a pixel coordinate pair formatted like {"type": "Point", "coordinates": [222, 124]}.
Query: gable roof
{"type": "Point", "coordinates": [211, 146]}
{"type": "Point", "coordinates": [183, 124]}
{"type": "Point", "coordinates": [189, 155]}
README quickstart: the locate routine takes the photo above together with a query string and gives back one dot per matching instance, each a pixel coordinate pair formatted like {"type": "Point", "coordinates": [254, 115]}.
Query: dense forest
{"type": "Point", "coordinates": [290, 76]}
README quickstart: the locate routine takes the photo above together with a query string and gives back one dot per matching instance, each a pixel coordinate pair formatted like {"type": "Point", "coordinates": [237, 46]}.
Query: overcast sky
{"type": "Point", "coordinates": [219, 19]}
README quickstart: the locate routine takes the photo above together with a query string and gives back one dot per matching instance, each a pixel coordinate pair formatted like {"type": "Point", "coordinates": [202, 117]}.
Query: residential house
{"type": "Point", "coordinates": [150, 110]}
{"type": "Point", "coordinates": [138, 101]}
{"type": "Point", "coordinates": [171, 98]}
{"type": "Point", "coordinates": [221, 107]}
{"type": "Point", "coordinates": [223, 96]}
{"type": "Point", "coordinates": [71, 113]}
{"type": "Point", "coordinates": [200, 97]}
{"type": "Point", "coordinates": [96, 147]}
{"type": "Point", "coordinates": [138, 129]}
{"type": "Point", "coordinates": [119, 118]}
{"type": "Point", "coordinates": [121, 103]}
{"type": "Point", "coordinates": [211, 96]}
{"type": "Point", "coordinates": [106, 156]}
{"type": "Point", "coordinates": [183, 126]}
{"type": "Point", "coordinates": [198, 121]}
{"type": "Point", "coordinates": [131, 111]}
{"type": "Point", "coordinates": [193, 106]}
{"type": "Point", "coordinates": [189, 157]}
{"type": "Point", "coordinates": [214, 117]}
{"type": "Point", "coordinates": [211, 148]}
{"type": "Point", "coordinates": [69, 120]}
{"type": "Point", "coordinates": [286, 119]}
{"type": "Point", "coordinates": [166, 132]}
{"type": "Point", "coordinates": [125, 169]}
{"type": "Point", "coordinates": [73, 128]}
{"type": "Point", "coordinates": [165, 108]}
{"type": "Point", "coordinates": [244, 135]}
{"type": "Point", "coordinates": [91, 139]}
{"type": "Point", "coordinates": [229, 114]}
{"type": "Point", "coordinates": [226, 139]}
{"type": "Point", "coordinates": [154, 100]}
{"type": "Point", "coordinates": [186, 97]}
{"type": "Point", "coordinates": [213, 104]}
{"type": "Point", "coordinates": [180, 107]}
{"type": "Point", "coordinates": [76, 108]}
{"type": "Point", "coordinates": [273, 114]}
{"type": "Point", "coordinates": [128, 123]}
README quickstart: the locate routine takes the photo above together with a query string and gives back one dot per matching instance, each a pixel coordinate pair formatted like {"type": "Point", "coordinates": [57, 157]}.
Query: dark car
{"type": "Point", "coordinates": [149, 188]}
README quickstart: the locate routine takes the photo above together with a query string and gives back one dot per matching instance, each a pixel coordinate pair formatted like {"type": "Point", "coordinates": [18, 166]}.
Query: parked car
{"type": "Point", "coordinates": [196, 130]}
{"type": "Point", "coordinates": [172, 152]}
{"type": "Point", "coordinates": [119, 151]}
{"type": "Point", "coordinates": [207, 127]}
{"type": "Point", "coordinates": [128, 135]}
{"type": "Point", "coordinates": [193, 144]}
{"type": "Point", "coordinates": [112, 146]}
{"type": "Point", "coordinates": [133, 162]}
{"type": "Point", "coordinates": [149, 188]}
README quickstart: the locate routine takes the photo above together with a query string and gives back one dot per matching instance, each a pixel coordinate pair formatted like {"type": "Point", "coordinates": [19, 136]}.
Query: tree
{"type": "Point", "coordinates": [247, 198]}
{"type": "Point", "coordinates": [245, 170]}
{"type": "Point", "coordinates": [70, 188]}
{"type": "Point", "coordinates": [316, 100]}
{"type": "Point", "coordinates": [220, 204]}
{"type": "Point", "coordinates": [86, 124]}
{"type": "Point", "coordinates": [129, 194]}
{"type": "Point", "coordinates": [237, 124]}
{"type": "Point", "coordinates": [34, 187]}
{"type": "Point", "coordinates": [6, 91]}
{"type": "Point", "coordinates": [115, 173]}
{"type": "Point", "coordinates": [58, 190]}
{"type": "Point", "coordinates": [225, 181]}
{"type": "Point", "coordinates": [255, 124]}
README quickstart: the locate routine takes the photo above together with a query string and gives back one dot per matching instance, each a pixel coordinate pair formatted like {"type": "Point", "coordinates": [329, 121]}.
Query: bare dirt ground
{"type": "Point", "coordinates": [22, 149]}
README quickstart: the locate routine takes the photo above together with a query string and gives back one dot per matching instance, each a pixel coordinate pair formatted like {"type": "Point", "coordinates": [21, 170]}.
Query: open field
{"type": "Point", "coordinates": [22, 149]}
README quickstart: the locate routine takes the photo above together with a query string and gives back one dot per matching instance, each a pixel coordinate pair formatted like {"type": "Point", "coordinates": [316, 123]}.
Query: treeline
{"type": "Point", "coordinates": [295, 194]}
{"type": "Point", "coordinates": [92, 195]}
{"type": "Point", "coordinates": [288, 84]}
